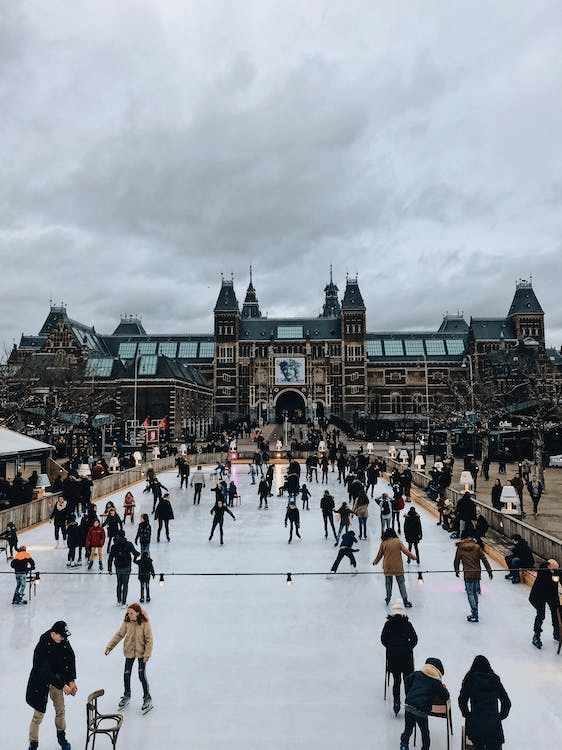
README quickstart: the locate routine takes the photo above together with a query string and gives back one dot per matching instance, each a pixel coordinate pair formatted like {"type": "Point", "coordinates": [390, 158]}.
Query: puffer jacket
{"type": "Point", "coordinates": [423, 688]}
{"type": "Point", "coordinates": [137, 643]}
{"type": "Point", "coordinates": [470, 552]}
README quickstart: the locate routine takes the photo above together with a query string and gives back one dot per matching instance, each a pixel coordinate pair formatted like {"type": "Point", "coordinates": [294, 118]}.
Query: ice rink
{"type": "Point", "coordinates": [243, 661]}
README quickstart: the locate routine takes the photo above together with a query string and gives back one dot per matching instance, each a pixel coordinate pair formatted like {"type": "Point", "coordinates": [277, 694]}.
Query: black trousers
{"type": "Point", "coordinates": [344, 552]}
{"type": "Point", "coordinates": [409, 722]}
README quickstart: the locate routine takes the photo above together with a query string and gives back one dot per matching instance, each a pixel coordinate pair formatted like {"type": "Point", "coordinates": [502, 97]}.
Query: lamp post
{"type": "Point", "coordinates": [426, 393]}
{"type": "Point", "coordinates": [135, 399]}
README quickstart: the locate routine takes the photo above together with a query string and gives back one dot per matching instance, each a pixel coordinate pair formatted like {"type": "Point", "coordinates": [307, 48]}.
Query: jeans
{"type": "Point", "coordinates": [362, 527]}
{"type": "Point", "coordinates": [472, 589]}
{"type": "Point", "coordinates": [401, 586]}
{"type": "Point", "coordinates": [142, 676]}
{"type": "Point", "coordinates": [19, 593]}
{"type": "Point", "coordinates": [122, 585]}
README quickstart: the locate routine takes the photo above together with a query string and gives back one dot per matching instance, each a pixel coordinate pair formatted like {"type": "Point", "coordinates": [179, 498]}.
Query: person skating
{"type": "Point", "coordinates": [144, 534]}
{"type": "Point", "coordinates": [197, 482]}
{"type": "Point", "coordinates": [390, 551]}
{"type": "Point", "coordinates": [164, 513]}
{"type": "Point", "coordinates": [122, 554]}
{"type": "Point", "coordinates": [113, 524]}
{"type": "Point", "coordinates": [292, 516]}
{"type": "Point", "coordinates": [399, 639]}
{"type": "Point", "coordinates": [544, 592]}
{"type": "Point", "coordinates": [156, 487]}
{"type": "Point", "coordinates": [471, 555]}
{"type": "Point", "coordinates": [413, 531]}
{"type": "Point", "coordinates": [136, 634]}
{"type": "Point", "coordinates": [129, 507]}
{"type": "Point", "coordinates": [73, 540]}
{"type": "Point", "coordinates": [423, 688]}
{"type": "Point", "coordinates": [146, 569]}
{"type": "Point", "coordinates": [361, 510]}
{"type": "Point", "coordinates": [386, 511]}
{"type": "Point", "coordinates": [263, 492]}
{"type": "Point", "coordinates": [346, 550]}
{"type": "Point", "coordinates": [10, 534]}
{"type": "Point", "coordinates": [305, 497]}
{"type": "Point", "coordinates": [327, 505]}
{"type": "Point", "coordinates": [53, 675]}
{"type": "Point", "coordinates": [217, 511]}
{"type": "Point", "coordinates": [95, 539]}
{"type": "Point", "coordinates": [22, 564]}
{"type": "Point", "coordinates": [344, 512]}
{"type": "Point", "coordinates": [482, 689]}
{"type": "Point", "coordinates": [59, 516]}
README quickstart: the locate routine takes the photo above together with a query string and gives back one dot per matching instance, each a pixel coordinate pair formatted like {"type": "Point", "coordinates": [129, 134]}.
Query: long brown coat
{"type": "Point", "coordinates": [470, 552]}
{"type": "Point", "coordinates": [391, 551]}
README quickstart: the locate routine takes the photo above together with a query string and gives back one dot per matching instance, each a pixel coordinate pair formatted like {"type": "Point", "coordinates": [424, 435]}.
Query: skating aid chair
{"type": "Point", "coordinates": [94, 721]}
{"type": "Point", "coordinates": [443, 711]}
{"type": "Point", "coordinates": [466, 742]}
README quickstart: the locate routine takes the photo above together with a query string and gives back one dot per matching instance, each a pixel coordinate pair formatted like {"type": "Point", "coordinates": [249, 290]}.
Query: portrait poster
{"type": "Point", "coordinates": [290, 370]}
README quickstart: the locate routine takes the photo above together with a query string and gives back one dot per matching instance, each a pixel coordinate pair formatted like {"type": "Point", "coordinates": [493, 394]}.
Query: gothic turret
{"type": "Point", "coordinates": [251, 307]}
{"type": "Point", "coordinates": [331, 304]}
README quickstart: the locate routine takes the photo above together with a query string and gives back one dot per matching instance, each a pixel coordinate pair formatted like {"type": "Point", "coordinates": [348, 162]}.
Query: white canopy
{"type": "Point", "coordinates": [15, 444]}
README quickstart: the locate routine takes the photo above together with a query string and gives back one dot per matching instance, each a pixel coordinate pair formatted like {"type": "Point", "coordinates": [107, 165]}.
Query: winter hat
{"type": "Point", "coordinates": [60, 628]}
{"type": "Point", "coordinates": [397, 609]}
{"type": "Point", "coordinates": [412, 511]}
{"type": "Point", "coordinates": [437, 663]}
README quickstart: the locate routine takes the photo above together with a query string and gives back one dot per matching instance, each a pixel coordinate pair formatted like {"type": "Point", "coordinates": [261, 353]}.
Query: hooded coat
{"type": "Point", "coordinates": [137, 643]}
{"type": "Point", "coordinates": [484, 721]}
{"type": "Point", "coordinates": [391, 551]}
{"type": "Point", "coordinates": [399, 638]}
{"type": "Point", "coordinates": [53, 664]}
{"type": "Point", "coordinates": [470, 552]}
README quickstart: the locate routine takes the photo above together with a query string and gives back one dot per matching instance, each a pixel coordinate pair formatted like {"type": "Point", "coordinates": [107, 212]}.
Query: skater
{"type": "Point", "coordinates": [423, 688]}
{"type": "Point", "coordinates": [184, 470]}
{"type": "Point", "coordinates": [217, 511]}
{"type": "Point", "coordinates": [471, 555]}
{"type": "Point", "coordinates": [399, 639]}
{"type": "Point", "coordinates": [390, 551]}
{"type": "Point", "coordinates": [137, 644]}
{"type": "Point", "coordinates": [129, 507]}
{"type": "Point", "coordinates": [396, 505]}
{"type": "Point", "coordinates": [361, 510]}
{"type": "Point", "coordinates": [263, 492]}
{"type": "Point", "coordinates": [164, 514]}
{"type": "Point", "coordinates": [344, 512]}
{"type": "Point", "coordinates": [122, 553]}
{"type": "Point", "coordinates": [252, 472]}
{"type": "Point", "coordinates": [413, 531]}
{"type": "Point", "coordinates": [146, 569]}
{"type": "Point", "coordinates": [156, 487]}
{"type": "Point", "coordinates": [386, 511]}
{"type": "Point", "coordinates": [520, 557]}
{"type": "Point", "coordinates": [545, 592]}
{"type": "Point", "coordinates": [73, 539]}
{"type": "Point", "coordinates": [232, 493]}
{"type": "Point", "coordinates": [95, 539]}
{"type": "Point", "coordinates": [305, 497]}
{"type": "Point", "coordinates": [197, 482]}
{"type": "Point", "coordinates": [293, 516]}
{"type": "Point", "coordinates": [482, 688]}
{"type": "Point", "coordinates": [496, 495]}
{"type": "Point", "coordinates": [114, 525]}
{"type": "Point", "coordinates": [10, 534]}
{"type": "Point", "coordinates": [144, 534]}
{"type": "Point", "coordinates": [327, 505]}
{"type": "Point", "coordinates": [53, 676]}
{"type": "Point", "coordinates": [346, 550]}
{"type": "Point", "coordinates": [59, 516]}
{"type": "Point", "coordinates": [22, 564]}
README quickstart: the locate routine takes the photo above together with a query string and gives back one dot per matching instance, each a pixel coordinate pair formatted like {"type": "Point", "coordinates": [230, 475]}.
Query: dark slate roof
{"type": "Point", "coordinates": [227, 297]}
{"type": "Point", "coordinates": [555, 356]}
{"type": "Point", "coordinates": [290, 329]}
{"type": "Point", "coordinates": [352, 299]}
{"type": "Point", "coordinates": [525, 301]}
{"type": "Point", "coordinates": [32, 342]}
{"type": "Point", "coordinates": [453, 324]}
{"type": "Point", "coordinates": [130, 326]}
{"type": "Point", "coordinates": [251, 308]}
{"type": "Point", "coordinates": [415, 347]}
{"type": "Point", "coordinates": [492, 329]}
{"type": "Point", "coordinates": [84, 335]}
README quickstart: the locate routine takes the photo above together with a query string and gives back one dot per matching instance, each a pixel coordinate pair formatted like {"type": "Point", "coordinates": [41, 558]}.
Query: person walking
{"type": "Point", "coordinates": [423, 688]}
{"type": "Point", "coordinates": [390, 551]}
{"type": "Point", "coordinates": [95, 539]}
{"type": "Point", "coordinates": [470, 553]}
{"type": "Point", "coordinates": [53, 675]}
{"type": "Point", "coordinates": [544, 592]}
{"type": "Point", "coordinates": [197, 482]}
{"type": "Point", "coordinates": [164, 513]}
{"type": "Point", "coordinates": [413, 531]}
{"type": "Point", "coordinates": [399, 639]}
{"type": "Point", "coordinates": [146, 569]}
{"type": "Point", "coordinates": [144, 534]}
{"type": "Point", "coordinates": [346, 550]}
{"type": "Point", "coordinates": [327, 505]}
{"type": "Point", "coordinates": [122, 554]}
{"type": "Point", "coordinates": [535, 490]}
{"type": "Point", "coordinates": [496, 494]}
{"type": "Point", "coordinates": [217, 511]}
{"type": "Point", "coordinates": [292, 516]}
{"type": "Point", "coordinates": [136, 634]}
{"type": "Point", "coordinates": [466, 511]}
{"type": "Point", "coordinates": [22, 563]}
{"type": "Point", "coordinates": [482, 689]}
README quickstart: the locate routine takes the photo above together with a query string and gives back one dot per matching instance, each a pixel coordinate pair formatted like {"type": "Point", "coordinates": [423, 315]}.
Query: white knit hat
{"type": "Point", "coordinates": [397, 609]}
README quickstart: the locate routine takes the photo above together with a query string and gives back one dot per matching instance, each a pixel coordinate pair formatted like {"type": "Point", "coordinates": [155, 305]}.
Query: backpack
{"type": "Point", "coordinates": [385, 507]}
{"type": "Point", "coordinates": [399, 502]}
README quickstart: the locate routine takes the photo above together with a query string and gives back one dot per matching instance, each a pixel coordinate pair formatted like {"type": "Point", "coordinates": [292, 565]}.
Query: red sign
{"type": "Point", "coordinates": [152, 435]}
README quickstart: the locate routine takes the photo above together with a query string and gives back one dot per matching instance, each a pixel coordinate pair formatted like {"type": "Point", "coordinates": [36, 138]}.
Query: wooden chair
{"type": "Point", "coordinates": [443, 711]}
{"type": "Point", "coordinates": [95, 720]}
{"type": "Point", "coordinates": [466, 742]}
{"type": "Point", "coordinates": [559, 630]}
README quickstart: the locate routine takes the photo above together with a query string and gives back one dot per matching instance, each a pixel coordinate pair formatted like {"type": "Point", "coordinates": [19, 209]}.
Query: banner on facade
{"type": "Point", "coordinates": [290, 370]}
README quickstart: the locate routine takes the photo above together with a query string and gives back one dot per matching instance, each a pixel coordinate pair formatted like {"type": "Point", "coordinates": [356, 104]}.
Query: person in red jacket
{"type": "Point", "coordinates": [95, 539]}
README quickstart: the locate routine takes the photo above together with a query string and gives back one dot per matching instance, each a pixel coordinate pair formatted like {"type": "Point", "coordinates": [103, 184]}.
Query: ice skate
{"type": "Point", "coordinates": [537, 641]}
{"type": "Point", "coordinates": [125, 700]}
{"type": "Point", "coordinates": [396, 707]}
{"type": "Point", "coordinates": [146, 704]}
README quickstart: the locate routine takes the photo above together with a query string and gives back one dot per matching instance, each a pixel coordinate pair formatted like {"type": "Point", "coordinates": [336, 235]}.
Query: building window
{"type": "Point", "coordinates": [225, 353]}
{"type": "Point", "coordinates": [395, 403]}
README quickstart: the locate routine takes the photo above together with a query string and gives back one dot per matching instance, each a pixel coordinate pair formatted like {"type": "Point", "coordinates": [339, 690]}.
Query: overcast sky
{"type": "Point", "coordinates": [149, 145]}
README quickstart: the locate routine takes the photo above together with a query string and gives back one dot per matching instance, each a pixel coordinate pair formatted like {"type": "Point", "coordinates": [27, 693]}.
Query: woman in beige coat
{"type": "Point", "coordinates": [391, 551]}
{"type": "Point", "coordinates": [137, 644]}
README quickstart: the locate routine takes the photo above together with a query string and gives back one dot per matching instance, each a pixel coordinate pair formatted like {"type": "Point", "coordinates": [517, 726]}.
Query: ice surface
{"type": "Point", "coordinates": [246, 662]}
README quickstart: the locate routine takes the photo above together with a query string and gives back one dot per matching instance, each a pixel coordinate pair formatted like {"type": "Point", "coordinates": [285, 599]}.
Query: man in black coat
{"type": "Point", "coordinates": [545, 591]}
{"type": "Point", "coordinates": [521, 557]}
{"type": "Point", "coordinates": [327, 504]}
{"type": "Point", "coordinates": [53, 675]}
{"type": "Point", "coordinates": [122, 554]}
